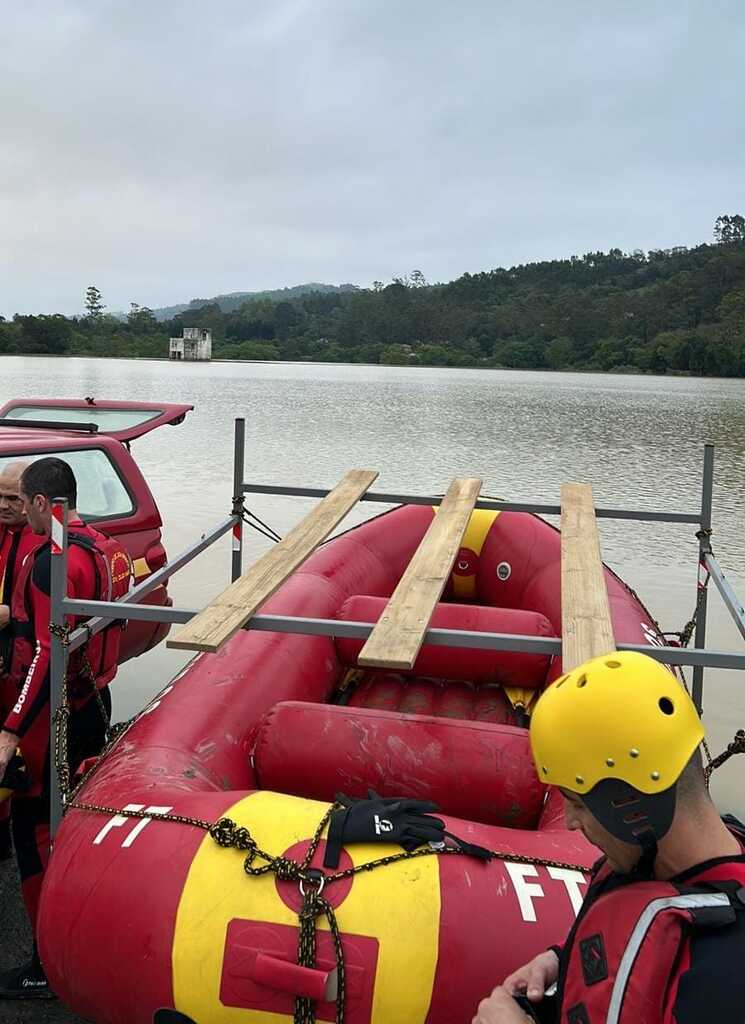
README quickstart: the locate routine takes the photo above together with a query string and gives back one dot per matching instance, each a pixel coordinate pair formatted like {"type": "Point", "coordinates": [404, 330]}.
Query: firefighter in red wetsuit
{"type": "Point", "coordinates": [660, 936]}
{"type": "Point", "coordinates": [17, 539]}
{"type": "Point", "coordinates": [97, 569]}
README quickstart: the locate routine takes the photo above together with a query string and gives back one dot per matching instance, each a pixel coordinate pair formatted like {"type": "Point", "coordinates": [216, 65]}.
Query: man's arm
{"type": "Point", "coordinates": [8, 743]}
{"type": "Point", "coordinates": [531, 980]}
{"type": "Point", "coordinates": [34, 696]}
{"type": "Point", "coordinates": [500, 1008]}
{"type": "Point", "coordinates": [534, 978]}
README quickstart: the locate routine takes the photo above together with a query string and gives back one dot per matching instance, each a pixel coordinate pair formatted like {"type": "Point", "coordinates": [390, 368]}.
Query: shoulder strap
{"type": "Point", "coordinates": [83, 540]}
{"type": "Point", "coordinates": [732, 888]}
{"type": "Point", "coordinates": [95, 550]}
{"type": "Point", "coordinates": [27, 571]}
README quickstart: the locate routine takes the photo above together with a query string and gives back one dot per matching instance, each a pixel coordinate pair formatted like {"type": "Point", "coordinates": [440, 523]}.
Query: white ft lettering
{"type": "Point", "coordinates": [525, 891]}
{"type": "Point", "coordinates": [572, 881]}
{"type": "Point", "coordinates": [121, 819]}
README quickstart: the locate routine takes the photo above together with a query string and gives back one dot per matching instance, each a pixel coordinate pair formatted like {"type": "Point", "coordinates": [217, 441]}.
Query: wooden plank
{"type": "Point", "coordinates": [231, 609]}
{"type": "Point", "coordinates": [397, 637]}
{"type": "Point", "coordinates": [586, 627]}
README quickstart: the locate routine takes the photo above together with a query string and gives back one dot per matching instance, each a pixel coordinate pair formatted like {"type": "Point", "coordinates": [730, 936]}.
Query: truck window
{"type": "Point", "coordinates": [101, 492]}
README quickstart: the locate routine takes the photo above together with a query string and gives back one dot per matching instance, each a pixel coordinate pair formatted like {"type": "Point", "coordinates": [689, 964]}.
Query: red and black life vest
{"type": "Point", "coordinates": [113, 572]}
{"type": "Point", "coordinates": [626, 953]}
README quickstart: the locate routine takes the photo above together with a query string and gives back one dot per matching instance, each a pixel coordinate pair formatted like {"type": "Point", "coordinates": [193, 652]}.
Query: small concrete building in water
{"type": "Point", "coordinates": [195, 344]}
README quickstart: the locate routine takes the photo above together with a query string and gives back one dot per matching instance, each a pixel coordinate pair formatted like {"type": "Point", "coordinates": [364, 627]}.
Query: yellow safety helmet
{"type": "Point", "coordinates": [617, 731]}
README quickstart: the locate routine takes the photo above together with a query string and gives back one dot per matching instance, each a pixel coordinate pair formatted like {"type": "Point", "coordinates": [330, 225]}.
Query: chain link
{"type": "Point", "coordinates": [62, 723]}
{"type": "Point", "coordinates": [62, 719]}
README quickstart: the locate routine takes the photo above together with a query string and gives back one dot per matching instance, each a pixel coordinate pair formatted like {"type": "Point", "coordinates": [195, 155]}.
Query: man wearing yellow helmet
{"type": "Point", "coordinates": [661, 933]}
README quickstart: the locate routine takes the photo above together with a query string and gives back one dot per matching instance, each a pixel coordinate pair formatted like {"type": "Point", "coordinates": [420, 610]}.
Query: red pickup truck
{"type": "Point", "coordinates": [94, 438]}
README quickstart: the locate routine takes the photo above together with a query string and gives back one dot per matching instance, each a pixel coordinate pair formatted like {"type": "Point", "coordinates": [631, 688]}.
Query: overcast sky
{"type": "Point", "coordinates": [165, 150]}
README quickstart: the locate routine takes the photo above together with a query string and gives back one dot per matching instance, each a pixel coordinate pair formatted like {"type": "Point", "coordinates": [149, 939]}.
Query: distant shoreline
{"type": "Point", "coordinates": [631, 372]}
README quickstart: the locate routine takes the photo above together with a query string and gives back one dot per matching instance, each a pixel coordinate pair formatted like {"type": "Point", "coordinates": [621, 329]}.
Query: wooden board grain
{"type": "Point", "coordinates": [397, 637]}
{"type": "Point", "coordinates": [231, 609]}
{"type": "Point", "coordinates": [586, 627]}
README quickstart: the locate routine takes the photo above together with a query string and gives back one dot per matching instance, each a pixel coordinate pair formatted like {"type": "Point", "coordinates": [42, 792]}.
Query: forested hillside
{"type": "Point", "coordinates": [665, 311]}
{"type": "Point", "coordinates": [234, 300]}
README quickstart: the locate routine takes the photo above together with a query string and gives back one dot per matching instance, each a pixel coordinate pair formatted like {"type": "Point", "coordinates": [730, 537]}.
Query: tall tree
{"type": "Point", "coordinates": [729, 228]}
{"type": "Point", "coordinates": [141, 318]}
{"type": "Point", "coordinates": [93, 303]}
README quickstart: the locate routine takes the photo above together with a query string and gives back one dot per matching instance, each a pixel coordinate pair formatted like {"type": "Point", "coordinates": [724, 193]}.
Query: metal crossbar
{"type": "Point", "coordinates": [642, 515]}
{"type": "Point", "coordinates": [524, 643]}
{"type": "Point", "coordinates": [730, 598]}
{"type": "Point", "coordinates": [704, 547]}
{"type": "Point", "coordinates": [129, 607]}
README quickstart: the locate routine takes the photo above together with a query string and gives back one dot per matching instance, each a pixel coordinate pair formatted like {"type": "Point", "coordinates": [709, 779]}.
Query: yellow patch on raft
{"type": "Point", "coordinates": [481, 521]}
{"type": "Point", "coordinates": [399, 905]}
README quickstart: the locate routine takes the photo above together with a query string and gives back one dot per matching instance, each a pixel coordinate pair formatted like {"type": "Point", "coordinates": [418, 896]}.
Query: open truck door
{"type": "Point", "coordinates": [124, 421]}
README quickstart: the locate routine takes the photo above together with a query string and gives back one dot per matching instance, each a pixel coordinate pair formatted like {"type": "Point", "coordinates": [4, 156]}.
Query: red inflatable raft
{"type": "Point", "coordinates": [140, 914]}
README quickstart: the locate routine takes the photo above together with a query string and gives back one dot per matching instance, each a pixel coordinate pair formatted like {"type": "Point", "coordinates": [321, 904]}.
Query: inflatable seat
{"type": "Point", "coordinates": [481, 667]}
{"type": "Point", "coordinates": [444, 698]}
{"type": "Point", "coordinates": [473, 770]}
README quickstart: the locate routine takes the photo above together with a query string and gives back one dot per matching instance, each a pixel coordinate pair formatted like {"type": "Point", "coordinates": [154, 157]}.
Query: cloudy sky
{"type": "Point", "coordinates": [167, 149]}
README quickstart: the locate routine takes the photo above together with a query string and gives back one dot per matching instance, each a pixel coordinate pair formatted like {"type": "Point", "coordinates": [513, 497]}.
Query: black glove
{"type": "Point", "coordinates": [16, 776]}
{"type": "Point", "coordinates": [544, 1012]}
{"type": "Point", "coordinates": [381, 820]}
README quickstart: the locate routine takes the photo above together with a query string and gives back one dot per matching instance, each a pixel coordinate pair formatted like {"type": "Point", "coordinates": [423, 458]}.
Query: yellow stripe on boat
{"type": "Point", "coordinates": [398, 904]}
{"type": "Point", "coordinates": [464, 581]}
{"type": "Point", "coordinates": [520, 696]}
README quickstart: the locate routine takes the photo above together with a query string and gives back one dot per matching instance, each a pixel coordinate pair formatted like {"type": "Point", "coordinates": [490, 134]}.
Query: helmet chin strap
{"type": "Point", "coordinates": [643, 870]}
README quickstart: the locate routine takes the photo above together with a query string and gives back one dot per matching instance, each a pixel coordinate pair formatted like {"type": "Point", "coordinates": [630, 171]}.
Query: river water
{"type": "Point", "coordinates": [637, 440]}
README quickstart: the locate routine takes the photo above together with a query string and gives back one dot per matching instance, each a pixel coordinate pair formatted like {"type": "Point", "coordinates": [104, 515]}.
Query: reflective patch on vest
{"type": "Point", "coordinates": [592, 955]}
{"type": "Point", "coordinates": [577, 1014]}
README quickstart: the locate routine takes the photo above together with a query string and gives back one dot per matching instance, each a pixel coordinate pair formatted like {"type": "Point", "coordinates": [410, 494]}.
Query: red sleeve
{"type": "Point", "coordinates": [34, 696]}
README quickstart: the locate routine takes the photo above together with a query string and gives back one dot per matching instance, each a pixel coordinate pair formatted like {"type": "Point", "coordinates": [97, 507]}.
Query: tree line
{"type": "Point", "coordinates": [675, 310]}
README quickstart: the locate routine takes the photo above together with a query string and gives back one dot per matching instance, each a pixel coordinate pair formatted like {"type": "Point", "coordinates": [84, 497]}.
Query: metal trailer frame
{"type": "Point", "coordinates": [103, 612]}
